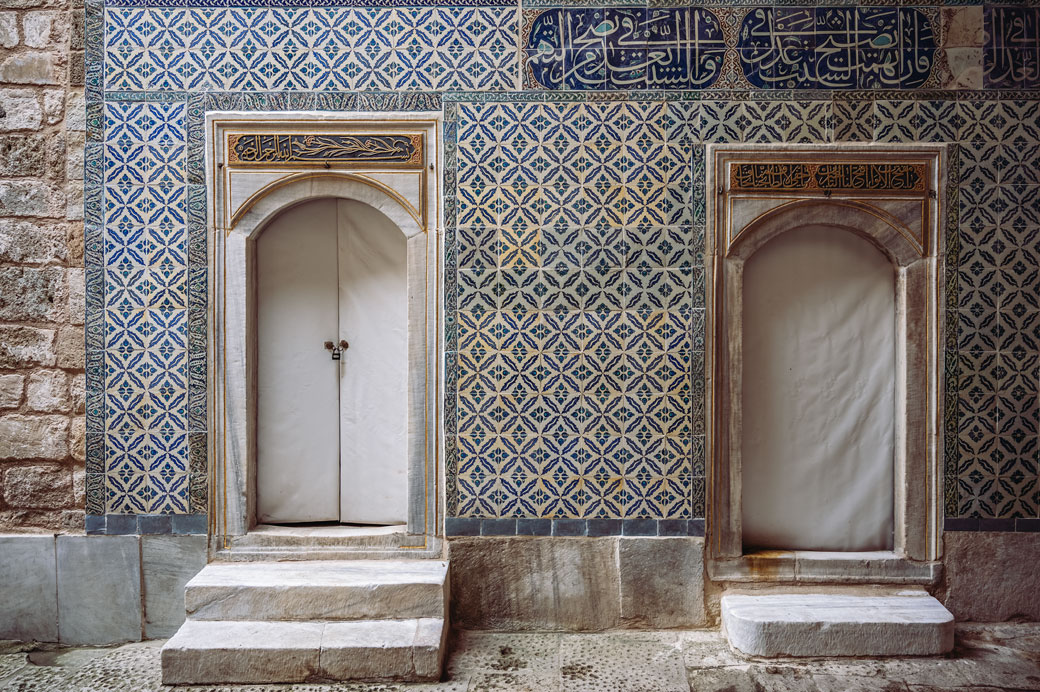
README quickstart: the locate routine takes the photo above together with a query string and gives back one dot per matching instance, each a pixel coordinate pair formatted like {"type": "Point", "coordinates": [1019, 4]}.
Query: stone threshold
{"type": "Point", "coordinates": [816, 567]}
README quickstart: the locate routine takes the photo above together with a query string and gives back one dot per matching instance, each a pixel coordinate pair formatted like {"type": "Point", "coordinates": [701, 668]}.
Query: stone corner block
{"type": "Point", "coordinates": [167, 563]}
{"type": "Point", "coordinates": [28, 600]}
{"type": "Point", "coordinates": [662, 582]}
{"type": "Point", "coordinates": [534, 584]}
{"type": "Point", "coordinates": [99, 589]}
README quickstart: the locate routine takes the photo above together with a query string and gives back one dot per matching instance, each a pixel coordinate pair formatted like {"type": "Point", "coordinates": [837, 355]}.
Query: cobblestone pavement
{"type": "Point", "coordinates": [987, 658]}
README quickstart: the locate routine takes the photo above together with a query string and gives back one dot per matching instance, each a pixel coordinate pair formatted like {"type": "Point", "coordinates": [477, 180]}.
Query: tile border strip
{"type": "Point", "coordinates": [571, 528]}
{"type": "Point", "coordinates": [146, 524]}
{"type": "Point", "coordinates": [1021, 525]}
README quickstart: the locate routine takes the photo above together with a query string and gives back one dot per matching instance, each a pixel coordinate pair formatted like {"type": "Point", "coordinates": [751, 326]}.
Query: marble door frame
{"type": "Point", "coordinates": [258, 165]}
{"type": "Point", "coordinates": [894, 196]}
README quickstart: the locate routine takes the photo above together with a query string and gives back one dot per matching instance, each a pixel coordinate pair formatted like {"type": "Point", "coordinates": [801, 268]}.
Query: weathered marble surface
{"type": "Point", "coordinates": [986, 657]}
{"type": "Point", "coordinates": [28, 597]}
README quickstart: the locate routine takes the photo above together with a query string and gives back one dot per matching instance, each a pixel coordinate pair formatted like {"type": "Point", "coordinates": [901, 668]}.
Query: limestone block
{"type": "Point", "coordinates": [21, 110]}
{"type": "Point", "coordinates": [29, 68]}
{"type": "Point", "coordinates": [71, 348]}
{"type": "Point", "coordinates": [40, 486]}
{"type": "Point", "coordinates": [28, 600]}
{"type": "Point", "coordinates": [75, 112]}
{"type": "Point", "coordinates": [29, 243]}
{"type": "Point", "coordinates": [36, 29]}
{"type": "Point", "coordinates": [74, 200]}
{"type": "Point", "coordinates": [370, 650]}
{"type": "Point", "coordinates": [31, 155]}
{"type": "Point", "coordinates": [48, 391]}
{"type": "Point", "coordinates": [534, 583]}
{"type": "Point", "coordinates": [79, 487]}
{"type": "Point", "coordinates": [28, 198]}
{"type": "Point", "coordinates": [318, 590]}
{"type": "Point", "coordinates": [78, 438]}
{"type": "Point", "coordinates": [662, 582]}
{"type": "Point", "coordinates": [25, 346]}
{"type": "Point", "coordinates": [428, 649]}
{"type": "Point", "coordinates": [74, 152]}
{"type": "Point", "coordinates": [837, 624]}
{"type": "Point", "coordinates": [11, 387]}
{"type": "Point", "coordinates": [33, 437]}
{"type": "Point", "coordinates": [76, 28]}
{"type": "Point", "coordinates": [167, 563]}
{"type": "Point", "coordinates": [8, 30]}
{"type": "Point", "coordinates": [242, 652]}
{"type": "Point", "coordinates": [53, 105]}
{"type": "Point", "coordinates": [32, 293]}
{"type": "Point", "coordinates": [76, 302]}
{"type": "Point", "coordinates": [74, 242]}
{"type": "Point", "coordinates": [99, 589]}
{"type": "Point", "coordinates": [78, 393]}
{"type": "Point", "coordinates": [992, 576]}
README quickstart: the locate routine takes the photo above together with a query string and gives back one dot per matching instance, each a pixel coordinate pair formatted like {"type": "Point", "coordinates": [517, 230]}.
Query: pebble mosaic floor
{"type": "Point", "coordinates": [987, 658]}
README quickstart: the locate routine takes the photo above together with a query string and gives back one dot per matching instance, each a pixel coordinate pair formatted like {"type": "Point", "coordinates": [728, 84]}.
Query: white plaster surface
{"type": "Point", "coordinates": [28, 590]}
{"type": "Point", "coordinates": [99, 589]}
{"type": "Point", "coordinates": [298, 463]}
{"type": "Point", "coordinates": [819, 372]}
{"type": "Point", "coordinates": [835, 624]}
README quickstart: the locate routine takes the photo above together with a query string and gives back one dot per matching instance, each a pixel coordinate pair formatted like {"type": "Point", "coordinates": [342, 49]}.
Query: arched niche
{"type": "Point", "coordinates": [760, 194]}
{"type": "Point", "coordinates": [244, 198]}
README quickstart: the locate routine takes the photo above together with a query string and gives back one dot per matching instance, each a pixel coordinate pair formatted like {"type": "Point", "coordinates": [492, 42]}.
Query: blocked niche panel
{"type": "Point", "coordinates": [892, 199]}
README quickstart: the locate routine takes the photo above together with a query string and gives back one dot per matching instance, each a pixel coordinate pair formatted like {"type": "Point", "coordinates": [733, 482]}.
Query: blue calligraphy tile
{"type": "Point", "coordinates": [842, 48]}
{"type": "Point", "coordinates": [625, 48]}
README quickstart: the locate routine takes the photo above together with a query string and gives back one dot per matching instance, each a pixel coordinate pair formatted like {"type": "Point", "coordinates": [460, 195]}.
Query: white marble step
{"type": "Point", "coordinates": [887, 623]}
{"type": "Point", "coordinates": [319, 590]}
{"type": "Point", "coordinates": [213, 652]}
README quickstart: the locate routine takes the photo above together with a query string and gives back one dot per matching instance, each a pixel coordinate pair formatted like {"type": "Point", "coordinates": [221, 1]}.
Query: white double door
{"type": "Point", "coordinates": [332, 433]}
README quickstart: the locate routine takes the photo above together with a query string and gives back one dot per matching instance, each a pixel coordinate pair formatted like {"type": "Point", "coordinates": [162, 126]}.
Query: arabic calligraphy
{"type": "Point", "coordinates": [312, 148]}
{"type": "Point", "coordinates": [1011, 57]}
{"type": "Point", "coordinates": [831, 177]}
{"type": "Point", "coordinates": [626, 48]}
{"type": "Point", "coordinates": [836, 48]}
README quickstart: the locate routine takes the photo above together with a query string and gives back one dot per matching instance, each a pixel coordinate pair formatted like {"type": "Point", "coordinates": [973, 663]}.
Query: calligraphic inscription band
{"type": "Point", "coordinates": [1011, 56]}
{"type": "Point", "coordinates": [836, 48]}
{"type": "Point", "coordinates": [830, 177]}
{"type": "Point", "coordinates": [324, 148]}
{"type": "Point", "coordinates": [626, 48]}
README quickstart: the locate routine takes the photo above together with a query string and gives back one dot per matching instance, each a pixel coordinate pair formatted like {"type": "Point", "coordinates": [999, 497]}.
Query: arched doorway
{"type": "Point", "coordinates": [312, 245]}
{"type": "Point", "coordinates": [824, 336]}
{"type": "Point", "coordinates": [332, 423]}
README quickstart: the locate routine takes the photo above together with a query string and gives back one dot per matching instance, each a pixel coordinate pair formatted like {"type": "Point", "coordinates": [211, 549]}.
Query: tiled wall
{"type": "Point", "coordinates": [575, 227]}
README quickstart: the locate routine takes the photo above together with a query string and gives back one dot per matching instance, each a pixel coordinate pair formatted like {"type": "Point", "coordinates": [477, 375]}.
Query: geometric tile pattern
{"type": "Point", "coordinates": [145, 309]}
{"type": "Point", "coordinates": [310, 49]}
{"type": "Point", "coordinates": [574, 247]}
{"type": "Point", "coordinates": [578, 301]}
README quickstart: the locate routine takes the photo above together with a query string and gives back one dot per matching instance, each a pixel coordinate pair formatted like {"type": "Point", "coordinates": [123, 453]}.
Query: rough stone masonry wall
{"type": "Point", "coordinates": [42, 131]}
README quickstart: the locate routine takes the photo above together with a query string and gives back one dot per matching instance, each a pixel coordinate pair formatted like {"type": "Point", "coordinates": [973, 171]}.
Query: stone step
{"type": "Point", "coordinates": [865, 623]}
{"type": "Point", "coordinates": [319, 590]}
{"type": "Point", "coordinates": [246, 652]}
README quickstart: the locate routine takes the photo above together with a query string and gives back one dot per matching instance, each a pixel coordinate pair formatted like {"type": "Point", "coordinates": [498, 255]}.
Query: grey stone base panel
{"type": "Point", "coordinates": [1016, 525]}
{"type": "Point", "coordinates": [595, 528]}
{"type": "Point", "coordinates": [95, 590]}
{"type": "Point", "coordinates": [145, 524]}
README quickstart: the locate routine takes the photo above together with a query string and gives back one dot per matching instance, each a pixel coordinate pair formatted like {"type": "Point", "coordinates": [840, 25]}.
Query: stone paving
{"type": "Point", "coordinates": [987, 658]}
